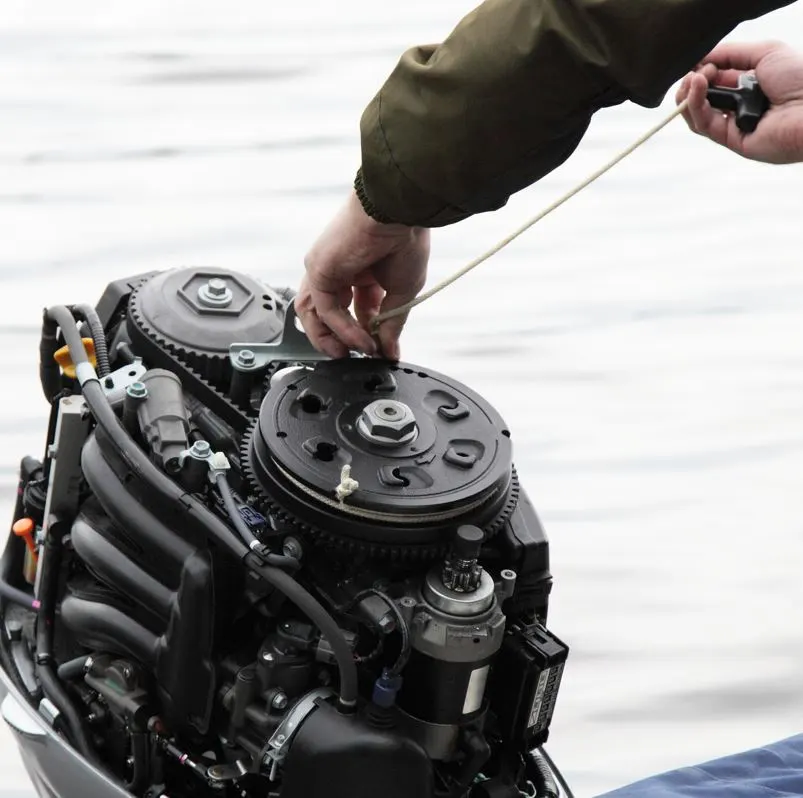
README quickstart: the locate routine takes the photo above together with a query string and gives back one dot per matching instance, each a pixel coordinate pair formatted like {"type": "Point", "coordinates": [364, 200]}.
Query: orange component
{"type": "Point", "coordinates": [62, 357]}
{"type": "Point", "coordinates": [24, 528]}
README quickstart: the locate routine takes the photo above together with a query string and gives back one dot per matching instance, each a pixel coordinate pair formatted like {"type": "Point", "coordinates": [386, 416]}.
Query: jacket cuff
{"type": "Point", "coordinates": [365, 201]}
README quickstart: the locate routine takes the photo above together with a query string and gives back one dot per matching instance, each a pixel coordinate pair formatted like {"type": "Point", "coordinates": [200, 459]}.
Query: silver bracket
{"type": "Point", "coordinates": [279, 743]}
{"type": "Point", "coordinates": [115, 383]}
{"type": "Point", "coordinates": [293, 346]}
{"type": "Point", "coordinates": [217, 462]}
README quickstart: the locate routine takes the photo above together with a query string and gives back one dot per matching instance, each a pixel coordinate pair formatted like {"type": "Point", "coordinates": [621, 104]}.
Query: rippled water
{"type": "Point", "coordinates": [644, 343]}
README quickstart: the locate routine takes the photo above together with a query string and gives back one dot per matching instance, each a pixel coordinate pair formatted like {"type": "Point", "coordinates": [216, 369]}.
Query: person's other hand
{"type": "Point", "coordinates": [779, 69]}
{"type": "Point", "coordinates": [376, 266]}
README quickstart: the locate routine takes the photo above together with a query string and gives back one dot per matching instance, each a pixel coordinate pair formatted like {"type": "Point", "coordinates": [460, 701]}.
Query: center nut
{"type": "Point", "coordinates": [387, 423]}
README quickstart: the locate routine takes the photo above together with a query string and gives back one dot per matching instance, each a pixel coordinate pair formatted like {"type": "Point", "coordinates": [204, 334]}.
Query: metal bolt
{"type": "Point", "coordinates": [286, 626]}
{"type": "Point", "coordinates": [215, 293]}
{"type": "Point", "coordinates": [292, 548]}
{"type": "Point", "coordinates": [137, 390]}
{"type": "Point", "coordinates": [216, 287]}
{"type": "Point", "coordinates": [280, 739]}
{"type": "Point", "coordinates": [201, 449]}
{"type": "Point", "coordinates": [246, 357]}
{"type": "Point", "coordinates": [388, 422]}
{"type": "Point", "coordinates": [279, 700]}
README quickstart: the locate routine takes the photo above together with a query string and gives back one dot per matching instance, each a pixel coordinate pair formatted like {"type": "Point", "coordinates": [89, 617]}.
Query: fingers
{"type": "Point", "coordinates": [319, 334]}
{"type": "Point", "coordinates": [742, 55]}
{"type": "Point", "coordinates": [367, 301]}
{"type": "Point", "coordinates": [400, 292]}
{"type": "Point", "coordinates": [334, 316]}
{"type": "Point", "coordinates": [701, 117]}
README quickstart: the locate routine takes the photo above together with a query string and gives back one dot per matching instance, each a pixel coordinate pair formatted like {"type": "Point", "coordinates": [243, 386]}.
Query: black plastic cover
{"type": "Point", "coordinates": [522, 546]}
{"type": "Point", "coordinates": [525, 682]}
{"type": "Point", "coordinates": [459, 466]}
{"type": "Point", "coordinates": [342, 756]}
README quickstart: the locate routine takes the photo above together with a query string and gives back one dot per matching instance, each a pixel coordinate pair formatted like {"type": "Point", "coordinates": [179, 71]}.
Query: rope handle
{"type": "Point", "coordinates": [402, 309]}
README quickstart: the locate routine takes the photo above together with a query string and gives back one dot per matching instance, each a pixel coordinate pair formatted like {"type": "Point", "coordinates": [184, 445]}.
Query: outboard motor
{"type": "Point", "coordinates": [243, 569]}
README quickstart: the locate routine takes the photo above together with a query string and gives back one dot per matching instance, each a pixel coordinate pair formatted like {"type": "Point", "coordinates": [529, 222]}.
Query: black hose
{"type": "Point", "coordinates": [90, 316]}
{"type": "Point", "coordinates": [249, 538]}
{"type": "Point", "coordinates": [553, 768]}
{"type": "Point", "coordinates": [143, 469]}
{"type": "Point", "coordinates": [541, 776]}
{"type": "Point", "coordinates": [139, 764]}
{"type": "Point", "coordinates": [72, 669]}
{"type": "Point", "coordinates": [310, 606]}
{"type": "Point", "coordinates": [10, 561]}
{"type": "Point", "coordinates": [50, 565]}
{"type": "Point", "coordinates": [19, 596]}
{"type": "Point", "coordinates": [49, 371]}
{"type": "Point", "coordinates": [401, 624]}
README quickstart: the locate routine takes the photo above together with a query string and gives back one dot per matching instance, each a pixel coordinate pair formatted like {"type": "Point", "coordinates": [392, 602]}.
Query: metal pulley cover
{"type": "Point", "coordinates": [425, 450]}
{"type": "Point", "coordinates": [197, 312]}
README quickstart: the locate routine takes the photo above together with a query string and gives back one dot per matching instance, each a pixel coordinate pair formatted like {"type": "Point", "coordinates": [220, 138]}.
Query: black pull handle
{"type": "Point", "coordinates": [747, 101]}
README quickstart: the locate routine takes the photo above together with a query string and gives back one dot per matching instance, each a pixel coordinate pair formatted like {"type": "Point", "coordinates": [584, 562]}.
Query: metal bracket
{"type": "Point", "coordinates": [279, 742]}
{"type": "Point", "coordinates": [201, 451]}
{"type": "Point", "coordinates": [115, 383]}
{"type": "Point", "coordinates": [293, 346]}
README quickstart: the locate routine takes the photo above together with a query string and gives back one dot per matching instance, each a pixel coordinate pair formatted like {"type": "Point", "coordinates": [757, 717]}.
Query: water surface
{"type": "Point", "coordinates": [644, 343]}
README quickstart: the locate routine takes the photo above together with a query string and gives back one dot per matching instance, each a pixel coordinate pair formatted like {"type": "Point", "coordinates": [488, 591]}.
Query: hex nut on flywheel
{"type": "Point", "coordinates": [388, 423]}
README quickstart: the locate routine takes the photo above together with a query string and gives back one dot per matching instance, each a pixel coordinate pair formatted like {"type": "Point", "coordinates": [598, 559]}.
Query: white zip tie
{"type": "Point", "coordinates": [347, 485]}
{"type": "Point", "coordinates": [402, 309]}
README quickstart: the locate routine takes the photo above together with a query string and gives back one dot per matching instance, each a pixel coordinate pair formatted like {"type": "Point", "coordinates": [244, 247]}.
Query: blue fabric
{"type": "Point", "coordinates": [774, 771]}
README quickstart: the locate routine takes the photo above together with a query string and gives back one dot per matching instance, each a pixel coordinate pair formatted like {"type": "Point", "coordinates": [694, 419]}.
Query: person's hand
{"type": "Point", "coordinates": [779, 69]}
{"type": "Point", "coordinates": [376, 266]}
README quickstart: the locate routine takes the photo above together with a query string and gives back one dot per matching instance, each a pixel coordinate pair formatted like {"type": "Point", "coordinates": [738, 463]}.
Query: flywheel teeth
{"type": "Point", "coordinates": [393, 552]}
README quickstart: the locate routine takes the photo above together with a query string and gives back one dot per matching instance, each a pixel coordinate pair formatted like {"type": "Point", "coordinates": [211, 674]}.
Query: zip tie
{"type": "Point", "coordinates": [402, 309]}
{"type": "Point", "coordinates": [347, 485]}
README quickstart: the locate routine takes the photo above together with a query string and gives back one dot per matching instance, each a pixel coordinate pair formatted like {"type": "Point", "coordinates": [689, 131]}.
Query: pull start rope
{"type": "Point", "coordinates": [402, 309]}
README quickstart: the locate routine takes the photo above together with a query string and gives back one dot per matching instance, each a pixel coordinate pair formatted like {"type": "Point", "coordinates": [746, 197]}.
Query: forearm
{"type": "Point", "coordinates": [459, 127]}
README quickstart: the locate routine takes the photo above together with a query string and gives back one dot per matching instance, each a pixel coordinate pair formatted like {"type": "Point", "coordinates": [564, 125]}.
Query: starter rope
{"type": "Point", "coordinates": [402, 309]}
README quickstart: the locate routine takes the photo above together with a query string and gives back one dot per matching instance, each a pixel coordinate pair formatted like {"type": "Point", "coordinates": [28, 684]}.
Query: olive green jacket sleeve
{"type": "Point", "coordinates": [460, 126]}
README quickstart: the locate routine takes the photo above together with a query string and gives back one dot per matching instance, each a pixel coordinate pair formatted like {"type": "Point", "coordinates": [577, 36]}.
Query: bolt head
{"type": "Point", "coordinates": [279, 701]}
{"type": "Point", "coordinates": [201, 449]}
{"type": "Point", "coordinates": [387, 421]}
{"type": "Point", "coordinates": [292, 548]}
{"type": "Point", "coordinates": [137, 390]}
{"type": "Point", "coordinates": [246, 357]}
{"type": "Point", "coordinates": [216, 287]}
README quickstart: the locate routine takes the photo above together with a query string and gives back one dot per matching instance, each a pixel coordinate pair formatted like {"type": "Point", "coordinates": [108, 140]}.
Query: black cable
{"type": "Point", "coordinates": [401, 624]}
{"type": "Point", "coordinates": [90, 316]}
{"type": "Point", "coordinates": [249, 538]}
{"type": "Point", "coordinates": [554, 768]}
{"type": "Point", "coordinates": [196, 514]}
{"type": "Point", "coordinates": [46, 673]}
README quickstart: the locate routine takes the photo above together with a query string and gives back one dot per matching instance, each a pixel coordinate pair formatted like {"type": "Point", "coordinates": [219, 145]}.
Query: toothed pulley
{"type": "Point", "coordinates": [196, 313]}
{"type": "Point", "coordinates": [425, 451]}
